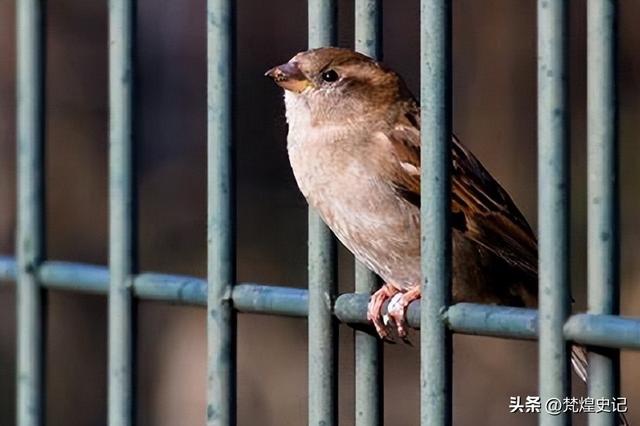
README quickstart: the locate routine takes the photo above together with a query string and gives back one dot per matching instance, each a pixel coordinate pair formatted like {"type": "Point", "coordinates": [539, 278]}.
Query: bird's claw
{"type": "Point", "coordinates": [374, 311]}
{"type": "Point", "coordinates": [396, 312]}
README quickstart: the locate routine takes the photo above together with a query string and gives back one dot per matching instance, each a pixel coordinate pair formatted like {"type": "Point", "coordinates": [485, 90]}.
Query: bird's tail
{"type": "Point", "coordinates": [580, 361]}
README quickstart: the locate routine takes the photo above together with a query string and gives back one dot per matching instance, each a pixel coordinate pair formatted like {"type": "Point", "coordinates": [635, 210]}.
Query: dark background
{"type": "Point", "coordinates": [494, 114]}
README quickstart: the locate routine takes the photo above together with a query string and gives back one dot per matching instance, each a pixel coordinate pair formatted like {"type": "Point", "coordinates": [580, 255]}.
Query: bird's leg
{"type": "Point", "coordinates": [374, 309]}
{"type": "Point", "coordinates": [397, 309]}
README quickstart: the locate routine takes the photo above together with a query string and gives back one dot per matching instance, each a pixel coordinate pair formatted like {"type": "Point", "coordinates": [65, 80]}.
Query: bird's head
{"type": "Point", "coordinates": [336, 84]}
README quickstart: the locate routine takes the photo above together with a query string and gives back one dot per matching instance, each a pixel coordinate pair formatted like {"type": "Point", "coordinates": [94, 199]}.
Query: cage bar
{"type": "Point", "coordinates": [435, 95]}
{"type": "Point", "coordinates": [122, 222]}
{"type": "Point", "coordinates": [553, 206]}
{"type": "Point", "coordinates": [603, 204]}
{"type": "Point", "coordinates": [601, 328]}
{"type": "Point", "coordinates": [30, 240]}
{"type": "Point", "coordinates": [367, 347]}
{"type": "Point", "coordinates": [221, 253]}
{"type": "Point", "coordinates": [506, 322]}
{"type": "Point", "coordinates": [323, 328]}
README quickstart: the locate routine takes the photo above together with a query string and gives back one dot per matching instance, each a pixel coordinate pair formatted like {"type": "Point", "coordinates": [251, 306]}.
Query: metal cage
{"type": "Point", "coordinates": [224, 298]}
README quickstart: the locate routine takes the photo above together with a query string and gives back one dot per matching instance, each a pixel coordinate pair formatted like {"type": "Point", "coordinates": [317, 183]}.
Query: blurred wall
{"type": "Point", "coordinates": [494, 114]}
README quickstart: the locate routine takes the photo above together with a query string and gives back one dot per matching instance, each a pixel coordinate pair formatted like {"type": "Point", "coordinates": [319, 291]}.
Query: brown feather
{"type": "Point", "coordinates": [483, 211]}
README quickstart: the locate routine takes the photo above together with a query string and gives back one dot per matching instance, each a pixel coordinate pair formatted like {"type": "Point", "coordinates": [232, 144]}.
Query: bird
{"type": "Point", "coordinates": [354, 147]}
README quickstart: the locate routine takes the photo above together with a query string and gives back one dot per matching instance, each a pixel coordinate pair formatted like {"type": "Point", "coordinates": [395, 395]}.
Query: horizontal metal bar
{"type": "Point", "coordinates": [494, 321]}
{"type": "Point", "coordinates": [74, 277]}
{"type": "Point", "coordinates": [8, 268]}
{"type": "Point", "coordinates": [180, 289]}
{"type": "Point", "coordinates": [176, 288]}
{"type": "Point", "coordinates": [465, 318]}
{"type": "Point", "coordinates": [603, 330]}
{"type": "Point", "coordinates": [266, 299]}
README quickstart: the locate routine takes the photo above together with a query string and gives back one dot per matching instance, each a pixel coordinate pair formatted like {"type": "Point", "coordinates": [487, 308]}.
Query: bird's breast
{"type": "Point", "coordinates": [335, 174]}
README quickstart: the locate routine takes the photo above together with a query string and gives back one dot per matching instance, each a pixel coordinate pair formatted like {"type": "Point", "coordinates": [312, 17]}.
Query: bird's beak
{"type": "Point", "coordinates": [289, 77]}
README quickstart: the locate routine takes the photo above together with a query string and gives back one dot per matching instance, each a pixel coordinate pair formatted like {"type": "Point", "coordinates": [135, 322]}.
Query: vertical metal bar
{"type": "Point", "coordinates": [323, 328]}
{"type": "Point", "coordinates": [603, 233]}
{"type": "Point", "coordinates": [368, 362]}
{"type": "Point", "coordinates": [435, 94]}
{"type": "Point", "coordinates": [221, 318]}
{"type": "Point", "coordinates": [368, 348]}
{"type": "Point", "coordinates": [122, 223]}
{"type": "Point", "coordinates": [31, 231]}
{"type": "Point", "coordinates": [369, 27]}
{"type": "Point", "coordinates": [553, 205]}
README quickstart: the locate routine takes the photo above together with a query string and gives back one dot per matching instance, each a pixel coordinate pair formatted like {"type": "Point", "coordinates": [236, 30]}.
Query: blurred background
{"type": "Point", "coordinates": [494, 115]}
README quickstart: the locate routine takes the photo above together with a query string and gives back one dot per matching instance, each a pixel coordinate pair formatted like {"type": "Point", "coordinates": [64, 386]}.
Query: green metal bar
{"type": "Point", "coordinates": [603, 204]}
{"type": "Point", "coordinates": [30, 239]}
{"type": "Point", "coordinates": [323, 328]}
{"type": "Point", "coordinates": [221, 318]}
{"type": "Point", "coordinates": [91, 279]}
{"type": "Point", "coordinates": [122, 222]}
{"type": "Point", "coordinates": [266, 299]}
{"type": "Point", "coordinates": [610, 331]}
{"type": "Point", "coordinates": [8, 269]}
{"type": "Point", "coordinates": [369, 27]}
{"type": "Point", "coordinates": [553, 205]}
{"type": "Point", "coordinates": [323, 23]}
{"type": "Point", "coordinates": [368, 348]}
{"type": "Point", "coordinates": [465, 318]}
{"type": "Point", "coordinates": [435, 95]}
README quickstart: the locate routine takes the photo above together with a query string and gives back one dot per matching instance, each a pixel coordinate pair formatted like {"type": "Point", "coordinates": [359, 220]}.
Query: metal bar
{"type": "Point", "coordinates": [611, 331]}
{"type": "Point", "coordinates": [174, 288]}
{"type": "Point", "coordinates": [75, 277]}
{"type": "Point", "coordinates": [368, 350]}
{"type": "Point", "coordinates": [253, 298]}
{"type": "Point", "coordinates": [603, 204]}
{"type": "Point", "coordinates": [368, 29]}
{"type": "Point", "coordinates": [435, 95]}
{"type": "Point", "coordinates": [323, 328]}
{"type": "Point", "coordinates": [368, 354]}
{"type": "Point", "coordinates": [221, 318]}
{"type": "Point", "coordinates": [122, 222]}
{"type": "Point", "coordinates": [8, 269]}
{"type": "Point", "coordinates": [465, 318]}
{"type": "Point", "coordinates": [30, 239]}
{"type": "Point", "coordinates": [553, 205]}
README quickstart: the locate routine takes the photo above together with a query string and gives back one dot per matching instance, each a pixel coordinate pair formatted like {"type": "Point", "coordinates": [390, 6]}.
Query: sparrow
{"type": "Point", "coordinates": [354, 147]}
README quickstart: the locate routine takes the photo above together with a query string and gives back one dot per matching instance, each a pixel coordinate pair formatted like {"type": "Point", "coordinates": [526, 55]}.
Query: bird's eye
{"type": "Point", "coordinates": [330, 76]}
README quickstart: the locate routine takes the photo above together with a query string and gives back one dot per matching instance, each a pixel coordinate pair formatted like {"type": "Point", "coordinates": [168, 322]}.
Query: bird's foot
{"type": "Point", "coordinates": [397, 310]}
{"type": "Point", "coordinates": [374, 310]}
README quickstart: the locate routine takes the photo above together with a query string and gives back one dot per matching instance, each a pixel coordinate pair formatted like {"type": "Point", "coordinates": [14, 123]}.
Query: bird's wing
{"type": "Point", "coordinates": [481, 210]}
